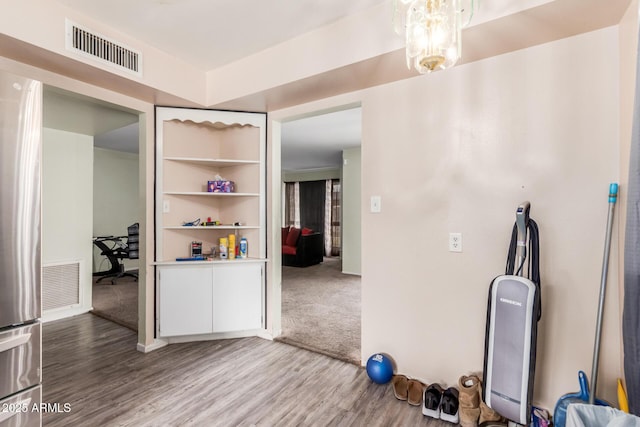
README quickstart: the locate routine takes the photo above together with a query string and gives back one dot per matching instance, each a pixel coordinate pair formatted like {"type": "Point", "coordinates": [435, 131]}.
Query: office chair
{"type": "Point", "coordinates": [115, 248]}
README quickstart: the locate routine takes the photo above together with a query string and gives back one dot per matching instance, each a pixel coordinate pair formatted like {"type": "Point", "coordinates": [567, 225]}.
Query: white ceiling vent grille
{"type": "Point", "coordinates": [104, 49]}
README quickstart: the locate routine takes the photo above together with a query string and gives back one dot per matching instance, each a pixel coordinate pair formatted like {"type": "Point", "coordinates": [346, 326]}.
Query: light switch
{"type": "Point", "coordinates": [376, 204]}
{"type": "Point", "coordinates": [166, 207]}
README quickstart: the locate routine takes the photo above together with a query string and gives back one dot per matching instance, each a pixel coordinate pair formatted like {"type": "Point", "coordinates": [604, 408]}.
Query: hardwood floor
{"type": "Point", "coordinates": [91, 364]}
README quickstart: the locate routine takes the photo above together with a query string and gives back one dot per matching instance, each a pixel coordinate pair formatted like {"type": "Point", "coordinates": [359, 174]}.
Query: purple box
{"type": "Point", "coordinates": [221, 186]}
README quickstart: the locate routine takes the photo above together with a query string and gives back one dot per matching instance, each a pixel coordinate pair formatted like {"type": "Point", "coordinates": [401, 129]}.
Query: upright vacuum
{"type": "Point", "coordinates": [513, 312]}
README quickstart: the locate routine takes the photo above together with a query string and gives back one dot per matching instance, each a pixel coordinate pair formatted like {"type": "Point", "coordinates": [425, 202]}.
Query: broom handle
{"type": "Point", "coordinates": [613, 195]}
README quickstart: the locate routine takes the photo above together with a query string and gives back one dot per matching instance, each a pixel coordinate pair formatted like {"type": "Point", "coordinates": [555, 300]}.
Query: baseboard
{"type": "Point", "coordinates": [265, 335]}
{"type": "Point", "coordinates": [57, 314]}
{"type": "Point", "coordinates": [156, 344]}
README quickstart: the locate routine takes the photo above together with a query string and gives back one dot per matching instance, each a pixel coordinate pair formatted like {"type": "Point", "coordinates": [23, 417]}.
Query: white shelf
{"type": "Point", "coordinates": [213, 162]}
{"type": "Point", "coordinates": [210, 194]}
{"type": "Point", "coordinates": [212, 261]}
{"type": "Point", "coordinates": [213, 227]}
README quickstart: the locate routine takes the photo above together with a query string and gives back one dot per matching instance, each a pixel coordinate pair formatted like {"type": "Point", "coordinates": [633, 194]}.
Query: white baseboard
{"type": "Point", "coordinates": [265, 335]}
{"type": "Point", "coordinates": [156, 344]}
{"type": "Point", "coordinates": [63, 313]}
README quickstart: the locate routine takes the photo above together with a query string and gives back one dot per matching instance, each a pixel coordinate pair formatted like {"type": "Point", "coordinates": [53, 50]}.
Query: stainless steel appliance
{"type": "Point", "coordinates": [20, 275]}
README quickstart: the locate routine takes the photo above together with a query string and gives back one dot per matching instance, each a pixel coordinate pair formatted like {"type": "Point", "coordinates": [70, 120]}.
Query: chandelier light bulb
{"type": "Point", "coordinates": [432, 31]}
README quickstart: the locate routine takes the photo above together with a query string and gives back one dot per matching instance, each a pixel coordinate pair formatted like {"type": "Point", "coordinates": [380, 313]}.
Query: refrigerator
{"type": "Point", "coordinates": [20, 253]}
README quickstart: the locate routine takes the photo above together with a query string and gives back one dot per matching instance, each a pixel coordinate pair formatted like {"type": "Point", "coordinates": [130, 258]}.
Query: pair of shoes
{"type": "Point", "coordinates": [442, 404]}
{"type": "Point", "coordinates": [408, 389]}
{"type": "Point", "coordinates": [473, 411]}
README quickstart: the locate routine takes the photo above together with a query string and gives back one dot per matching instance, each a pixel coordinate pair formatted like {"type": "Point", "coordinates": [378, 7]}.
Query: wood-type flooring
{"type": "Point", "coordinates": [92, 365]}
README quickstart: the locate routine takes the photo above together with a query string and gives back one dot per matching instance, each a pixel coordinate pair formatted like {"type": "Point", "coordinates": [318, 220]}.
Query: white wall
{"type": "Point", "coordinates": [115, 198]}
{"type": "Point", "coordinates": [458, 151]}
{"type": "Point", "coordinates": [469, 145]}
{"type": "Point", "coordinates": [67, 206]}
{"type": "Point", "coordinates": [313, 175]}
{"type": "Point", "coordinates": [351, 211]}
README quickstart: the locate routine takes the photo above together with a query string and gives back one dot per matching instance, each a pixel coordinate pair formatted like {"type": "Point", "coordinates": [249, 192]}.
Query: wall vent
{"type": "Point", "coordinates": [108, 51]}
{"type": "Point", "coordinates": [60, 285]}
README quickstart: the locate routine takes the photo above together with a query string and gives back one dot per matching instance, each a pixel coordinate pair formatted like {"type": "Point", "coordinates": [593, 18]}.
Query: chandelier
{"type": "Point", "coordinates": [432, 31]}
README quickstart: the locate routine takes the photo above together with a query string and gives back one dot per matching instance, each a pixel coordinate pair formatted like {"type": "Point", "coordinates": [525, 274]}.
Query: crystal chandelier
{"type": "Point", "coordinates": [432, 31]}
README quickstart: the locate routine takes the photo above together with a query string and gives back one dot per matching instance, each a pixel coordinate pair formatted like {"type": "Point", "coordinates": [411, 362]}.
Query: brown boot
{"type": "Point", "coordinates": [488, 417]}
{"type": "Point", "coordinates": [469, 390]}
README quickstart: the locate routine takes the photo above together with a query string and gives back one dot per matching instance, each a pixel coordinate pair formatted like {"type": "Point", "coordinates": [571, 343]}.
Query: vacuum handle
{"type": "Point", "coordinates": [522, 222]}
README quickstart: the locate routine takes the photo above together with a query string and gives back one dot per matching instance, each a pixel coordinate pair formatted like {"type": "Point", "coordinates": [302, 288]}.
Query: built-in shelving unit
{"type": "Point", "coordinates": [193, 147]}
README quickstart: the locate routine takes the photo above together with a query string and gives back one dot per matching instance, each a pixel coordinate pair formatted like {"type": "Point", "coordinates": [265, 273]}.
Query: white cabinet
{"type": "Point", "coordinates": [213, 297]}
{"type": "Point", "coordinates": [185, 296]}
{"type": "Point", "coordinates": [237, 297]}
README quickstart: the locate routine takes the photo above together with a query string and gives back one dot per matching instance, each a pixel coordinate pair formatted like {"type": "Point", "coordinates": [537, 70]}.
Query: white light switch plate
{"type": "Point", "coordinates": [166, 207]}
{"type": "Point", "coordinates": [376, 204]}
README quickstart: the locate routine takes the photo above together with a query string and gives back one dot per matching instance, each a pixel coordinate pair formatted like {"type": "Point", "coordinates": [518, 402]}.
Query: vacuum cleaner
{"type": "Point", "coordinates": [513, 312]}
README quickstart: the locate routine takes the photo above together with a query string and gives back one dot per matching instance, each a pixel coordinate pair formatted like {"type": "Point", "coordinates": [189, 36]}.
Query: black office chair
{"type": "Point", "coordinates": [116, 249]}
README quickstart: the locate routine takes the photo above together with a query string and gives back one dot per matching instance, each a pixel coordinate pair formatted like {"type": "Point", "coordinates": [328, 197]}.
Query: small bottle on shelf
{"type": "Point", "coordinates": [232, 246]}
{"type": "Point", "coordinates": [244, 249]}
{"type": "Point", "coordinates": [223, 248]}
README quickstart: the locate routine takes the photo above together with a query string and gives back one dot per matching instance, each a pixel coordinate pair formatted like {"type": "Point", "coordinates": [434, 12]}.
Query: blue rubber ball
{"type": "Point", "coordinates": [379, 369]}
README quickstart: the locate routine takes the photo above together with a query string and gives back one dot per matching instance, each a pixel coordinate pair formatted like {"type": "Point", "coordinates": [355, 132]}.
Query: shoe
{"type": "Point", "coordinates": [415, 391]}
{"type": "Point", "coordinates": [400, 387]}
{"type": "Point", "coordinates": [489, 417]}
{"type": "Point", "coordinates": [469, 400]}
{"type": "Point", "coordinates": [432, 400]}
{"type": "Point", "coordinates": [449, 407]}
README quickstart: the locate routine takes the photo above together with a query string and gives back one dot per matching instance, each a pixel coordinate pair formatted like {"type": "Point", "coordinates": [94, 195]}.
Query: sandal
{"type": "Point", "coordinates": [400, 387]}
{"type": "Point", "coordinates": [415, 390]}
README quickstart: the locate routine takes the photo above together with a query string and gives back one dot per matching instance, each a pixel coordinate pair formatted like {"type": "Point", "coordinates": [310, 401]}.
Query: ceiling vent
{"type": "Point", "coordinates": [104, 49]}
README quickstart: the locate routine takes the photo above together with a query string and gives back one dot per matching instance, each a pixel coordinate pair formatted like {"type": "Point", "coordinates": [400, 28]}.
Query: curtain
{"type": "Point", "coordinates": [327, 217]}
{"type": "Point", "coordinates": [336, 215]}
{"type": "Point", "coordinates": [312, 195]}
{"type": "Point", "coordinates": [631, 312]}
{"type": "Point", "coordinates": [292, 205]}
{"type": "Point", "coordinates": [316, 205]}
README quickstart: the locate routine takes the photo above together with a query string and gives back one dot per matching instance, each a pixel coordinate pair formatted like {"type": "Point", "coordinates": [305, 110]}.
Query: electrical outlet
{"type": "Point", "coordinates": [455, 242]}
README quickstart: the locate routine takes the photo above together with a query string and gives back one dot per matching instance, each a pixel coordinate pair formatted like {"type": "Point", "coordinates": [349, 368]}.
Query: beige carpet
{"type": "Point", "coordinates": [118, 303]}
{"type": "Point", "coordinates": [321, 310]}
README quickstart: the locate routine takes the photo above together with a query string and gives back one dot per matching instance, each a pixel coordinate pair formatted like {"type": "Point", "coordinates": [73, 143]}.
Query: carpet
{"type": "Point", "coordinates": [321, 310]}
{"type": "Point", "coordinates": [117, 303]}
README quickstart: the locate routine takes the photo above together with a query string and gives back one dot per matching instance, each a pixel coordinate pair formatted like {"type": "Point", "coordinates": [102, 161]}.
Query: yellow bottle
{"type": "Point", "coordinates": [232, 246]}
{"type": "Point", "coordinates": [223, 248]}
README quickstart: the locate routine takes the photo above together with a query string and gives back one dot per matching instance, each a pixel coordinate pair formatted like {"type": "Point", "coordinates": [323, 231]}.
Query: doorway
{"type": "Point", "coordinates": [77, 173]}
{"type": "Point", "coordinates": [321, 302]}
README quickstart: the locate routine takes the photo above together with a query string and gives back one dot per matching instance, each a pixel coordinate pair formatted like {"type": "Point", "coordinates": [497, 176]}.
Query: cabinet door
{"type": "Point", "coordinates": [185, 300]}
{"type": "Point", "coordinates": [237, 297]}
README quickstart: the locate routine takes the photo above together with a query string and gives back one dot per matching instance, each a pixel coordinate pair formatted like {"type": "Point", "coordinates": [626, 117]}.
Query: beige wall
{"type": "Point", "coordinates": [115, 198]}
{"type": "Point", "coordinates": [314, 175]}
{"type": "Point", "coordinates": [470, 144]}
{"type": "Point", "coordinates": [67, 206]}
{"type": "Point", "coordinates": [351, 252]}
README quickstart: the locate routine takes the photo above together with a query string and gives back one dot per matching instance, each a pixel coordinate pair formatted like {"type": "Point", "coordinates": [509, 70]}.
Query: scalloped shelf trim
{"type": "Point", "coordinates": [216, 125]}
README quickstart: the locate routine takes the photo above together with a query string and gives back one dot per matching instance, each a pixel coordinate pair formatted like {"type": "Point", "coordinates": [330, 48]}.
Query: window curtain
{"type": "Point", "coordinates": [316, 205]}
{"type": "Point", "coordinates": [336, 215]}
{"type": "Point", "coordinates": [328, 188]}
{"type": "Point", "coordinates": [312, 199]}
{"type": "Point", "coordinates": [292, 205]}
